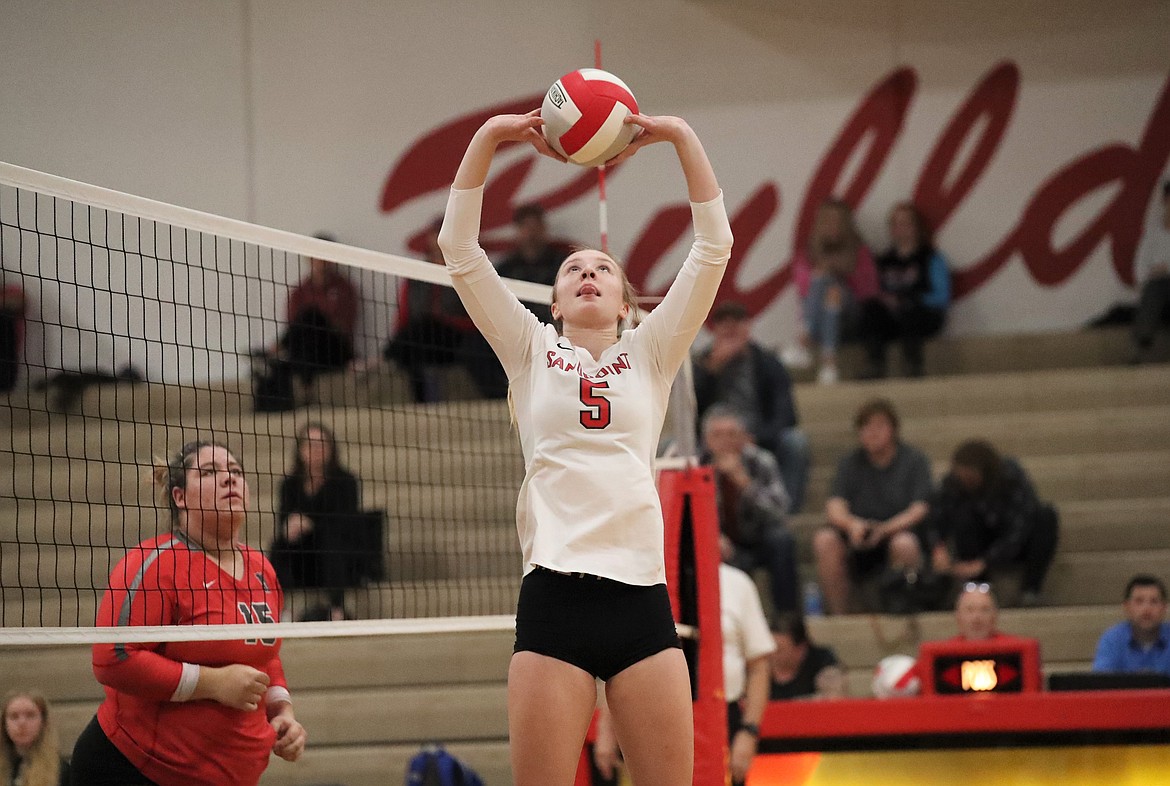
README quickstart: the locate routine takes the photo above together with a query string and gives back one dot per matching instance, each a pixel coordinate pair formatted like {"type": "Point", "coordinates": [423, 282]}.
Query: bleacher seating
{"type": "Point", "coordinates": [1095, 438]}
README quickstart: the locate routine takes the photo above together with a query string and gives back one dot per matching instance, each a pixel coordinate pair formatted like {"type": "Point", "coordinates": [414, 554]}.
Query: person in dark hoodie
{"type": "Point", "coordinates": [987, 517]}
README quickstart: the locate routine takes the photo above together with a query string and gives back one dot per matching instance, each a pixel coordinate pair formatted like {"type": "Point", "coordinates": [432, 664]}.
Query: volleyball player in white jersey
{"type": "Point", "coordinates": [589, 402]}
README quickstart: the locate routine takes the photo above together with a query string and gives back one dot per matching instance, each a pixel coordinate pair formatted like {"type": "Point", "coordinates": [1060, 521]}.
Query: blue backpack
{"type": "Point", "coordinates": [433, 766]}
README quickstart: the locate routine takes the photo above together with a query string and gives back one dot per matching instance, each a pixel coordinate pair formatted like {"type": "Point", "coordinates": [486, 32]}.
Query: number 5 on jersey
{"type": "Point", "coordinates": [596, 412]}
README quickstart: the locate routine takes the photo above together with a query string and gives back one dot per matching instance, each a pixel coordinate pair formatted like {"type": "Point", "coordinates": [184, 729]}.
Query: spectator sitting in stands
{"type": "Point", "coordinates": [535, 257]}
{"type": "Point", "coordinates": [12, 309]}
{"type": "Point", "coordinates": [834, 275]}
{"type": "Point", "coordinates": [879, 494]}
{"type": "Point", "coordinates": [801, 669]}
{"type": "Point", "coordinates": [29, 751]}
{"type": "Point", "coordinates": [915, 292]}
{"type": "Point", "coordinates": [317, 494]}
{"type": "Point", "coordinates": [432, 326]}
{"type": "Point", "coordinates": [1142, 642]}
{"type": "Point", "coordinates": [752, 505]}
{"type": "Point", "coordinates": [1151, 273]}
{"type": "Point", "coordinates": [986, 517]}
{"type": "Point", "coordinates": [322, 316]}
{"type": "Point", "coordinates": [747, 648]}
{"type": "Point", "coordinates": [977, 613]}
{"type": "Point", "coordinates": [736, 372]}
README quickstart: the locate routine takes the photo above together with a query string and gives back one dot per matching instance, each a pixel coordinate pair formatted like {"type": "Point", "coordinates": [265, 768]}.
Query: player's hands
{"type": "Point", "coordinates": [858, 532]}
{"type": "Point", "coordinates": [743, 750]}
{"type": "Point", "coordinates": [876, 534]}
{"type": "Point", "coordinates": [725, 348]}
{"type": "Point", "coordinates": [290, 734]}
{"type": "Point", "coordinates": [726, 548]}
{"type": "Point", "coordinates": [940, 559]}
{"type": "Point", "coordinates": [730, 465]}
{"type": "Point", "coordinates": [520, 128]}
{"type": "Point", "coordinates": [662, 128]}
{"type": "Point", "coordinates": [237, 686]}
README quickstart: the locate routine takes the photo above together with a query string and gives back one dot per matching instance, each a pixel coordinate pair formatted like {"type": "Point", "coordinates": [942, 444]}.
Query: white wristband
{"type": "Point", "coordinates": [277, 694]}
{"type": "Point", "coordinates": [187, 682]}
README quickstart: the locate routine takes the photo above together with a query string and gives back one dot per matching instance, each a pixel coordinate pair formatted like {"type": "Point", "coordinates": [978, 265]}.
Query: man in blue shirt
{"type": "Point", "coordinates": [1142, 643]}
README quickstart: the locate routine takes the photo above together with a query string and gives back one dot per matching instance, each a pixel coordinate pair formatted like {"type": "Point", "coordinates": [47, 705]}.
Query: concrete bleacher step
{"type": "Point", "coordinates": [412, 714]}
{"type": "Point", "coordinates": [419, 550]}
{"type": "Point", "coordinates": [410, 423]}
{"type": "Point", "coordinates": [1025, 391]}
{"type": "Point", "coordinates": [1103, 525]}
{"type": "Point", "coordinates": [861, 641]}
{"type": "Point", "coordinates": [63, 672]}
{"type": "Point", "coordinates": [335, 718]}
{"type": "Point", "coordinates": [155, 401]}
{"type": "Point", "coordinates": [409, 507]}
{"type": "Point", "coordinates": [127, 479]}
{"type": "Point", "coordinates": [1060, 478]}
{"type": "Point", "coordinates": [961, 355]}
{"type": "Point", "coordinates": [461, 595]}
{"type": "Point", "coordinates": [1086, 525]}
{"type": "Point", "coordinates": [491, 585]}
{"type": "Point", "coordinates": [195, 409]}
{"type": "Point", "coordinates": [378, 765]}
{"type": "Point", "coordinates": [407, 445]}
{"type": "Point", "coordinates": [1012, 433]}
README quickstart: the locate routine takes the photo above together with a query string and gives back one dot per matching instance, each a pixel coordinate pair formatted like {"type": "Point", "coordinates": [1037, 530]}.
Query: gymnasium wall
{"type": "Point", "coordinates": [1035, 132]}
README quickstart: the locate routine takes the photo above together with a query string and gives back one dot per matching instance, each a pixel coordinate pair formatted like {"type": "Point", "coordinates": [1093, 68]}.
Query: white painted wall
{"type": "Point", "coordinates": [292, 113]}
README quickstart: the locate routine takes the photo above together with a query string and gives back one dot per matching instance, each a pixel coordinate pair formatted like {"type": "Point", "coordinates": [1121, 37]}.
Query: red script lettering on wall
{"type": "Point", "coordinates": [868, 136]}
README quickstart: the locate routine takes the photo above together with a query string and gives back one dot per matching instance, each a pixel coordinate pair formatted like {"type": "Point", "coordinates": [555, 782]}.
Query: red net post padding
{"type": "Point", "coordinates": [692, 567]}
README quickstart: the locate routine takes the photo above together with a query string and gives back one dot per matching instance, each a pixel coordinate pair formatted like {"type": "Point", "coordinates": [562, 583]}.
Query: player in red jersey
{"type": "Point", "coordinates": [201, 712]}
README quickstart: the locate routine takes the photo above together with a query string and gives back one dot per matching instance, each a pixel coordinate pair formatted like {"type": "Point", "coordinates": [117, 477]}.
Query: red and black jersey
{"type": "Point", "coordinates": [168, 580]}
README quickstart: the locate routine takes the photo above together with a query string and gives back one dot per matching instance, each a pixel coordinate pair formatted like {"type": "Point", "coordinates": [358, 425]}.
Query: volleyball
{"type": "Point", "coordinates": [895, 675]}
{"type": "Point", "coordinates": [583, 113]}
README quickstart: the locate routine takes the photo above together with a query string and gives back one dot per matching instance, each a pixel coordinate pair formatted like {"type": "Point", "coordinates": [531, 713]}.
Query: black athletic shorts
{"type": "Point", "coordinates": [98, 762]}
{"type": "Point", "coordinates": [599, 625]}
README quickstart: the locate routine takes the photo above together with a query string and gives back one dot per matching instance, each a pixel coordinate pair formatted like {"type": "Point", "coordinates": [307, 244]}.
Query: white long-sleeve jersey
{"type": "Point", "coordinates": [588, 427]}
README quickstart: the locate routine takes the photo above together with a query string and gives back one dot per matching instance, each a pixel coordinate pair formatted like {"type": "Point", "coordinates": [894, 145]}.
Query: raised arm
{"type": "Point", "coordinates": [700, 176]}
{"type": "Point", "coordinates": [499, 315]}
{"type": "Point", "coordinates": [473, 169]}
{"type": "Point", "coordinates": [674, 323]}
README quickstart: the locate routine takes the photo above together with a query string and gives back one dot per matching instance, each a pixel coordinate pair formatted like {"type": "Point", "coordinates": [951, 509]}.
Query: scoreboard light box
{"type": "Point", "coordinates": [1002, 665]}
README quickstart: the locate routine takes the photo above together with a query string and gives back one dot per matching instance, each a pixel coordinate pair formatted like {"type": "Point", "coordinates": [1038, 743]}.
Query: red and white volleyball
{"type": "Point", "coordinates": [583, 113]}
{"type": "Point", "coordinates": [896, 675]}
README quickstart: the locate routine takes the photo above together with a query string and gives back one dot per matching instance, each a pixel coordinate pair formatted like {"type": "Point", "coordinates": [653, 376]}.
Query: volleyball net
{"type": "Point", "coordinates": [145, 326]}
{"type": "Point", "coordinates": [141, 326]}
